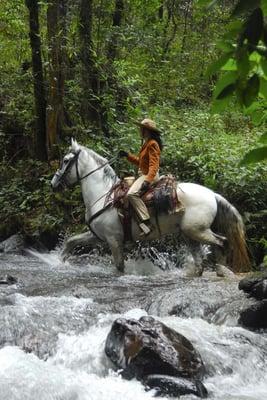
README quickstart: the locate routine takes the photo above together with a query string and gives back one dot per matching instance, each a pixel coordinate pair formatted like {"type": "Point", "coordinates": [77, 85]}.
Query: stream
{"type": "Point", "coordinates": [55, 320]}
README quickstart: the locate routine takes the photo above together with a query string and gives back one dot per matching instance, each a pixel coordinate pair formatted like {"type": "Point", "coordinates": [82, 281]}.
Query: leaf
{"type": "Point", "coordinates": [254, 27]}
{"type": "Point", "coordinates": [264, 7]}
{"type": "Point", "coordinates": [226, 79]}
{"type": "Point", "coordinates": [264, 66]}
{"type": "Point", "coordinates": [263, 87]}
{"type": "Point", "coordinates": [251, 91]}
{"type": "Point", "coordinates": [218, 64]}
{"type": "Point", "coordinates": [263, 138]}
{"type": "Point", "coordinates": [244, 6]}
{"type": "Point", "coordinates": [242, 61]}
{"type": "Point", "coordinates": [227, 91]}
{"type": "Point", "coordinates": [220, 105]}
{"type": "Point", "coordinates": [254, 156]}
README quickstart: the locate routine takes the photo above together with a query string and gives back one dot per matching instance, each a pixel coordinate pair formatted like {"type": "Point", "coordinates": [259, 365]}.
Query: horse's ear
{"type": "Point", "coordinates": [74, 145]}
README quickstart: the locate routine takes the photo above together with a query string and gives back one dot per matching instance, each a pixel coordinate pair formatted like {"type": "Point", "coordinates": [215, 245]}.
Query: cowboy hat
{"type": "Point", "coordinates": [148, 124]}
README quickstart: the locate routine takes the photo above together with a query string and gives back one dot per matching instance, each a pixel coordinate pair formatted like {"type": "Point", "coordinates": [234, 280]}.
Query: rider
{"type": "Point", "coordinates": [147, 161]}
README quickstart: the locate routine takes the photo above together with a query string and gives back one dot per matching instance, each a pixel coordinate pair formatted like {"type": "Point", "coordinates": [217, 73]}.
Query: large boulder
{"type": "Point", "coordinates": [157, 355]}
{"type": "Point", "coordinates": [255, 316]}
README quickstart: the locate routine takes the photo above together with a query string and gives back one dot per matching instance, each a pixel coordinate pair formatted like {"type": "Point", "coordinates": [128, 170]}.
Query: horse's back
{"type": "Point", "coordinates": [192, 194]}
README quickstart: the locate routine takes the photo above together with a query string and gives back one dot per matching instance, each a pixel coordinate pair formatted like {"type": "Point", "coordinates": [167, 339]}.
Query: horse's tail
{"type": "Point", "coordinates": [229, 222]}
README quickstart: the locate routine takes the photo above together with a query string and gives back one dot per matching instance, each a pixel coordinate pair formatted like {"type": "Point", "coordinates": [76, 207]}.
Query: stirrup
{"type": "Point", "coordinates": [144, 228]}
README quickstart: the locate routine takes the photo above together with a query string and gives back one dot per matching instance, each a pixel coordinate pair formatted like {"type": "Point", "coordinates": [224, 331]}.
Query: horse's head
{"type": "Point", "coordinates": [67, 174]}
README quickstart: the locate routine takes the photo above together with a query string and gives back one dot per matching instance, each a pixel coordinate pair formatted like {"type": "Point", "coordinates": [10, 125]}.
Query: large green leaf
{"type": "Point", "coordinates": [251, 91]}
{"type": "Point", "coordinates": [218, 64]}
{"type": "Point", "coordinates": [254, 156]}
{"type": "Point", "coordinates": [227, 91]}
{"type": "Point", "coordinates": [263, 87]}
{"type": "Point", "coordinates": [226, 79]}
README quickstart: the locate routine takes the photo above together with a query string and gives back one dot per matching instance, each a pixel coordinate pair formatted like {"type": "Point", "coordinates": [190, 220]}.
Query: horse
{"type": "Point", "coordinates": [204, 210]}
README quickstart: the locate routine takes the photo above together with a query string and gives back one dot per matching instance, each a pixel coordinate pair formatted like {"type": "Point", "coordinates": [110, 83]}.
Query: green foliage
{"type": "Point", "coordinates": [245, 55]}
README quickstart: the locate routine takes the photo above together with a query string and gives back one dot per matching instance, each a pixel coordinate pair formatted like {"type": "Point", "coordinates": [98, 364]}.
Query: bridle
{"type": "Point", "coordinates": [62, 174]}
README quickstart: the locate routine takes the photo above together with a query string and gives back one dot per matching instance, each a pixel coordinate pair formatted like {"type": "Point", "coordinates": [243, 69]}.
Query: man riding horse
{"type": "Point", "coordinates": [148, 161]}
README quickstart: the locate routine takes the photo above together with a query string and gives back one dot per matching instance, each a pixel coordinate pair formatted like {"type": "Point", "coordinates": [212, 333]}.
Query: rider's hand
{"type": "Point", "coordinates": [144, 188]}
{"type": "Point", "coordinates": [122, 153]}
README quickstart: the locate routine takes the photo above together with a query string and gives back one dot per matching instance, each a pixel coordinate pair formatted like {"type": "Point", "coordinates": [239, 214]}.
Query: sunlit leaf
{"type": "Point", "coordinates": [254, 156]}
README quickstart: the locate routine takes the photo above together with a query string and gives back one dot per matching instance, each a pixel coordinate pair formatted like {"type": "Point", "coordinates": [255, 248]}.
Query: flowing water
{"type": "Point", "coordinates": [55, 319]}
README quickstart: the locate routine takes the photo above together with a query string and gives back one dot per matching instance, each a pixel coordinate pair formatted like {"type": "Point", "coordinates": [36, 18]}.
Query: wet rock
{"type": "Point", "coordinates": [155, 354]}
{"type": "Point", "coordinates": [255, 316]}
{"type": "Point", "coordinates": [175, 386]}
{"type": "Point", "coordinates": [14, 244]}
{"type": "Point", "coordinates": [8, 280]}
{"type": "Point", "coordinates": [255, 286]}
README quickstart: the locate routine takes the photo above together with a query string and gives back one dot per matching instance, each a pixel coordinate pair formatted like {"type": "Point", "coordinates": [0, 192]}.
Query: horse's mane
{"type": "Point", "coordinates": [107, 170]}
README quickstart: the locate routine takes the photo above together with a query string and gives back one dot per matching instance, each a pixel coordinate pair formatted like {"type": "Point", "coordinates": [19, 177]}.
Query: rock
{"type": "Point", "coordinates": [8, 280]}
{"type": "Point", "coordinates": [255, 316]}
{"type": "Point", "coordinates": [155, 354]}
{"type": "Point", "coordinates": [255, 286]}
{"type": "Point", "coordinates": [223, 272]}
{"type": "Point", "coordinates": [175, 386]}
{"type": "Point", "coordinates": [14, 244]}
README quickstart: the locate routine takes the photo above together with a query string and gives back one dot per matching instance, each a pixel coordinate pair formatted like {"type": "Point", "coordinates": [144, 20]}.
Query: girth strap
{"type": "Point", "coordinates": [94, 216]}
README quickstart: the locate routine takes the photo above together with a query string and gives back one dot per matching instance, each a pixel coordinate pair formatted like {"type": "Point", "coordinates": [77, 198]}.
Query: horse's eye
{"type": "Point", "coordinates": [65, 161]}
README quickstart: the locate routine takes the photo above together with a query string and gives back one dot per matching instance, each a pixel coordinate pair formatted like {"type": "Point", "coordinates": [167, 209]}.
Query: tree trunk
{"type": "Point", "coordinates": [116, 23]}
{"type": "Point", "coordinates": [37, 69]}
{"type": "Point", "coordinates": [91, 108]}
{"type": "Point", "coordinates": [56, 29]}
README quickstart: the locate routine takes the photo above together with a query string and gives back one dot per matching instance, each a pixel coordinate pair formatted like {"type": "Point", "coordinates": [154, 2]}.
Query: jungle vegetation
{"type": "Point", "coordinates": [90, 68]}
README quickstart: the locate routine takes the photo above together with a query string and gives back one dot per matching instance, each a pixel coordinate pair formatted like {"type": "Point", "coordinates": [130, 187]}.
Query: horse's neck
{"type": "Point", "coordinates": [96, 186]}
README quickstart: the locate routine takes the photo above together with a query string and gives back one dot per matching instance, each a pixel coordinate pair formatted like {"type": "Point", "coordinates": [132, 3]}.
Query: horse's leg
{"type": "Point", "coordinates": [194, 263]}
{"type": "Point", "coordinates": [221, 266]}
{"type": "Point", "coordinates": [83, 239]}
{"type": "Point", "coordinates": [116, 248]}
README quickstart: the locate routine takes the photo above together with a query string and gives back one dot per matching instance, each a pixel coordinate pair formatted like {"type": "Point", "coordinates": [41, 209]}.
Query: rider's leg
{"type": "Point", "coordinates": [138, 204]}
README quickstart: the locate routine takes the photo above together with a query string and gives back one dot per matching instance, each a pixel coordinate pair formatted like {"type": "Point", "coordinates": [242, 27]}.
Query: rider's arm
{"type": "Point", "coordinates": [133, 159]}
{"type": "Point", "coordinates": [154, 159]}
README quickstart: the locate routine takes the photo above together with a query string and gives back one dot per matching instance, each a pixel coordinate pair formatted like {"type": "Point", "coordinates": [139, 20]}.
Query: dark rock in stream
{"type": "Point", "coordinates": [255, 316]}
{"type": "Point", "coordinates": [157, 355]}
{"type": "Point", "coordinates": [8, 280]}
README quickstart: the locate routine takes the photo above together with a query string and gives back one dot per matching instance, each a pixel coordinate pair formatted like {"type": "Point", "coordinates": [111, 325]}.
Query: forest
{"type": "Point", "coordinates": [89, 69]}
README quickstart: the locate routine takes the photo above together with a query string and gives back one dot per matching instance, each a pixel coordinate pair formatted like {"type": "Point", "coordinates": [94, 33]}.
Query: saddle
{"type": "Point", "coordinates": [161, 196]}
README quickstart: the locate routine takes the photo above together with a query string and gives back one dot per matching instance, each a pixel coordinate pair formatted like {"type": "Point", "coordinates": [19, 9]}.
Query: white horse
{"type": "Point", "coordinates": [203, 209]}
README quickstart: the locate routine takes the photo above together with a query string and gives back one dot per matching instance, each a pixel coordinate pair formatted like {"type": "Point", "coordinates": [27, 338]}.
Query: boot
{"type": "Point", "coordinates": [145, 227]}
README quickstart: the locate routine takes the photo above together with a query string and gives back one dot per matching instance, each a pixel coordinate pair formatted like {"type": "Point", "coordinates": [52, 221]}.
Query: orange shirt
{"type": "Point", "coordinates": [148, 159]}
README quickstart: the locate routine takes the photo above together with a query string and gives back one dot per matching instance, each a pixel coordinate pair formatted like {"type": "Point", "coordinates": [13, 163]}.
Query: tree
{"type": "Point", "coordinates": [56, 29]}
{"type": "Point", "coordinates": [92, 108]}
{"type": "Point", "coordinates": [37, 70]}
